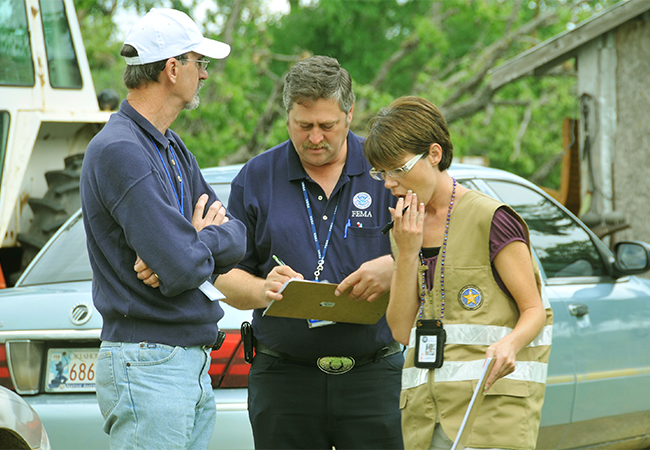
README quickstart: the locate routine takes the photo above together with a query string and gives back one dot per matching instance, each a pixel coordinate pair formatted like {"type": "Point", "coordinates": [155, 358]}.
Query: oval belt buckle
{"type": "Point", "coordinates": [335, 365]}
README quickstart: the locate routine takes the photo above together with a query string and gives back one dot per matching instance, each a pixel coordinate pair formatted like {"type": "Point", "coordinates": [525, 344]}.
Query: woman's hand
{"type": "Point", "coordinates": [505, 358]}
{"type": "Point", "coordinates": [408, 225]}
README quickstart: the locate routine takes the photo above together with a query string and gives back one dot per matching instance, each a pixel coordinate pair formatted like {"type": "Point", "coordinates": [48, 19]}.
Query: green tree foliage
{"type": "Point", "coordinates": [441, 50]}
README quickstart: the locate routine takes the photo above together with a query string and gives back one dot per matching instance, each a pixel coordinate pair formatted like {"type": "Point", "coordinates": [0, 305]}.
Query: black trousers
{"type": "Point", "coordinates": [294, 406]}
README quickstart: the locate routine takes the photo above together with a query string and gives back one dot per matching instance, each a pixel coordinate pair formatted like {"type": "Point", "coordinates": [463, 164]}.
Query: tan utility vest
{"type": "Point", "coordinates": [510, 414]}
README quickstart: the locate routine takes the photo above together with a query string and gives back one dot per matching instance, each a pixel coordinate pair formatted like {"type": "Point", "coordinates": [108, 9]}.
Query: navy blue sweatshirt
{"type": "Point", "coordinates": [130, 208]}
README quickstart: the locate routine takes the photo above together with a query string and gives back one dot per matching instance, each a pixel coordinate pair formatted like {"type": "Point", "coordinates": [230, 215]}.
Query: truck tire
{"type": "Point", "coordinates": [50, 212]}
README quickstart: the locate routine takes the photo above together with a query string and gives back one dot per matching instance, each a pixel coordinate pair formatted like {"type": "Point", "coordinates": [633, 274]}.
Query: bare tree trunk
{"type": "Point", "coordinates": [406, 48]}
{"type": "Point", "coordinates": [476, 103]}
{"type": "Point", "coordinates": [273, 109]}
{"type": "Point", "coordinates": [229, 30]}
{"type": "Point", "coordinates": [545, 170]}
{"type": "Point", "coordinates": [491, 54]}
{"type": "Point", "coordinates": [258, 141]}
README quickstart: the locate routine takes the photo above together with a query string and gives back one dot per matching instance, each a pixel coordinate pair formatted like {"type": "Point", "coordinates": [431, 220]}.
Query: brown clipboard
{"type": "Point", "coordinates": [302, 299]}
{"type": "Point", "coordinates": [473, 407]}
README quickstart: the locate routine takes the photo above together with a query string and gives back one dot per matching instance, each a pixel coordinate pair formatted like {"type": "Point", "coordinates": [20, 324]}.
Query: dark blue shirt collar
{"type": "Point", "coordinates": [354, 164]}
{"type": "Point", "coordinates": [133, 114]}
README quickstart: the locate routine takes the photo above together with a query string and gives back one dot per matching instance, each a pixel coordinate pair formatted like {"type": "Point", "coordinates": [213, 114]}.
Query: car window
{"type": "Point", "coordinates": [65, 260]}
{"type": "Point", "coordinates": [564, 248]}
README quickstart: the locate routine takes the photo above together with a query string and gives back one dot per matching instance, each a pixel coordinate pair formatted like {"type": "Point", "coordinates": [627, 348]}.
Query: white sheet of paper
{"type": "Point", "coordinates": [211, 292]}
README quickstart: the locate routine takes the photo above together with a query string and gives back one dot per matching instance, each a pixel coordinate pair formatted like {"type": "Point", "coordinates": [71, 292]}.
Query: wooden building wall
{"type": "Point", "coordinates": [631, 159]}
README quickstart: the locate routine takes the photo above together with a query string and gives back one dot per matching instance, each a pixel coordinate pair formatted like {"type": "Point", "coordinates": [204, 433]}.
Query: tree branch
{"type": "Point", "coordinates": [229, 30]}
{"type": "Point", "coordinates": [493, 52]}
{"type": "Point", "coordinates": [407, 47]}
{"type": "Point", "coordinates": [520, 133]}
{"type": "Point", "coordinates": [259, 137]}
{"type": "Point", "coordinates": [478, 102]}
{"type": "Point", "coordinates": [545, 170]}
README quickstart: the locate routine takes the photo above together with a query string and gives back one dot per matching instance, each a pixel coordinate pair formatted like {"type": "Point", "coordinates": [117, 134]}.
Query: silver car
{"type": "Point", "coordinates": [598, 388]}
{"type": "Point", "coordinates": [20, 426]}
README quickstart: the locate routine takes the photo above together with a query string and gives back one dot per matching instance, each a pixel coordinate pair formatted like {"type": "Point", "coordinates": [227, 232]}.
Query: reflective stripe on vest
{"type": "Point", "coordinates": [464, 334]}
{"type": "Point", "coordinates": [488, 335]}
{"type": "Point", "coordinates": [470, 370]}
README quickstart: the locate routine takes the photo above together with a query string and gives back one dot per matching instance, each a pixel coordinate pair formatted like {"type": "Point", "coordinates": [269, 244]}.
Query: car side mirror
{"type": "Point", "coordinates": [632, 257]}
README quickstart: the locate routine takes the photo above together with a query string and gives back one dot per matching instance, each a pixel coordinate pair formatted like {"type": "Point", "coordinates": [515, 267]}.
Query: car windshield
{"type": "Point", "coordinates": [65, 260]}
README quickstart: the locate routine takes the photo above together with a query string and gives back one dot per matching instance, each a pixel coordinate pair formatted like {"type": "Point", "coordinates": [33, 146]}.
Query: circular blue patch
{"type": "Point", "coordinates": [362, 200]}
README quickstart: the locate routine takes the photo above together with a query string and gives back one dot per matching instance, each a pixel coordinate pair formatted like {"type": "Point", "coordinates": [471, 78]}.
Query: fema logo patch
{"type": "Point", "coordinates": [362, 200]}
{"type": "Point", "coordinates": [470, 297]}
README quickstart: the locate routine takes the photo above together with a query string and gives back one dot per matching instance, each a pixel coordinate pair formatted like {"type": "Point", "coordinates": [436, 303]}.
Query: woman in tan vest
{"type": "Point", "coordinates": [465, 287]}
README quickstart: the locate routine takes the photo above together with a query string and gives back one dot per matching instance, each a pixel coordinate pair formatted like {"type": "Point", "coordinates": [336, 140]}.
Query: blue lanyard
{"type": "Point", "coordinates": [321, 258]}
{"type": "Point", "coordinates": [180, 177]}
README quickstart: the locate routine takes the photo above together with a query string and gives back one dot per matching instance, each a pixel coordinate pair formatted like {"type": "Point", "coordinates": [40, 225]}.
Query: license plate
{"type": "Point", "coordinates": [71, 370]}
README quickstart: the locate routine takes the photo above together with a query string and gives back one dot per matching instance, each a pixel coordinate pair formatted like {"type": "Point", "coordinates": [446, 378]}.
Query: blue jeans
{"type": "Point", "coordinates": [155, 396]}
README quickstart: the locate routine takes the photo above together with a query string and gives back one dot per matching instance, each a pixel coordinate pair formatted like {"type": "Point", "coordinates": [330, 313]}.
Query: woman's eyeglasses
{"type": "Point", "coordinates": [380, 175]}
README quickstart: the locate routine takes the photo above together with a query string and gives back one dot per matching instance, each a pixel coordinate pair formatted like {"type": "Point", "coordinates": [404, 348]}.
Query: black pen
{"type": "Point", "coordinates": [390, 224]}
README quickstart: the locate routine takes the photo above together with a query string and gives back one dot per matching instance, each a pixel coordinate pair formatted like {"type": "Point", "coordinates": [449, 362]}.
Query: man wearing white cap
{"type": "Point", "coordinates": [157, 238]}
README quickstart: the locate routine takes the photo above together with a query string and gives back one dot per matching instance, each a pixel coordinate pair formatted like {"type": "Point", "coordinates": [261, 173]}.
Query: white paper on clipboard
{"type": "Point", "coordinates": [473, 407]}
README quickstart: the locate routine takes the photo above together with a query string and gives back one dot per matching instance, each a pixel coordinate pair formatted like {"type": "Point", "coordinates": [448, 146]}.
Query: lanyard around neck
{"type": "Point", "coordinates": [321, 258]}
{"type": "Point", "coordinates": [441, 257]}
{"type": "Point", "coordinates": [179, 201]}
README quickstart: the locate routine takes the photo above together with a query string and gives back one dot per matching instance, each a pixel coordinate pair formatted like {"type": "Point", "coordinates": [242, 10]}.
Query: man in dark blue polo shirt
{"type": "Point", "coordinates": [153, 251]}
{"type": "Point", "coordinates": [311, 202]}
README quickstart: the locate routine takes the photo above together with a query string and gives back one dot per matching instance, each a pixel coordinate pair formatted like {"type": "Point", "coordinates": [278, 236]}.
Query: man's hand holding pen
{"type": "Point", "coordinates": [276, 278]}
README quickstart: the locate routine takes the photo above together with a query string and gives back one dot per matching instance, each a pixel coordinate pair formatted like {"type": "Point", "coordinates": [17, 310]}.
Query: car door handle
{"type": "Point", "coordinates": [578, 309]}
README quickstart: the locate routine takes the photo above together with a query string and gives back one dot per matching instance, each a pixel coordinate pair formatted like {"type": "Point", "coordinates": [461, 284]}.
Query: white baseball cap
{"type": "Point", "coordinates": [164, 33]}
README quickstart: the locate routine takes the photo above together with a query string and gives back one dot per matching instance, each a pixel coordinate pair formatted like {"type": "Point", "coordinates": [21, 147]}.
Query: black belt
{"type": "Point", "coordinates": [334, 365]}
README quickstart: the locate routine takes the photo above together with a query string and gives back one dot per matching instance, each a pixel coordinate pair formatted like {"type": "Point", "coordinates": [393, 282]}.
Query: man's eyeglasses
{"type": "Point", "coordinates": [203, 63]}
{"type": "Point", "coordinates": [380, 175]}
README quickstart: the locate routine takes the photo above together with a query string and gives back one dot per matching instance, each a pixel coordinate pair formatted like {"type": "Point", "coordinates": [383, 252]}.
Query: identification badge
{"type": "Point", "coordinates": [313, 323]}
{"type": "Point", "coordinates": [430, 340]}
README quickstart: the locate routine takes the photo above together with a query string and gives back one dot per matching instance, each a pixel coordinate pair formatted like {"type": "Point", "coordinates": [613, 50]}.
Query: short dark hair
{"type": "Point", "coordinates": [137, 76]}
{"type": "Point", "coordinates": [315, 78]}
{"type": "Point", "coordinates": [408, 124]}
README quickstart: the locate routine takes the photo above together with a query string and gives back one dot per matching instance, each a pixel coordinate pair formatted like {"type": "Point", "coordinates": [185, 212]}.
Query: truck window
{"type": "Point", "coordinates": [16, 66]}
{"type": "Point", "coordinates": [61, 56]}
{"type": "Point", "coordinates": [4, 130]}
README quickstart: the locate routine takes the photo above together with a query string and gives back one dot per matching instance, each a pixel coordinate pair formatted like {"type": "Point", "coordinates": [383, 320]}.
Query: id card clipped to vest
{"type": "Point", "coordinates": [430, 340]}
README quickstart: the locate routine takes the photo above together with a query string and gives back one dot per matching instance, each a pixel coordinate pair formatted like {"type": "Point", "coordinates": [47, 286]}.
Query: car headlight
{"type": "Point", "coordinates": [25, 360]}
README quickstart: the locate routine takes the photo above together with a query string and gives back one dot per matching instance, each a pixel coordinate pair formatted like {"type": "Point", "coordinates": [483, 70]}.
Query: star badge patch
{"type": "Point", "coordinates": [470, 297]}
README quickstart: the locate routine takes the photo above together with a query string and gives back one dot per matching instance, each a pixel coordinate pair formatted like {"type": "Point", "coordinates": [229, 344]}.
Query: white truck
{"type": "Point", "coordinates": [49, 111]}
